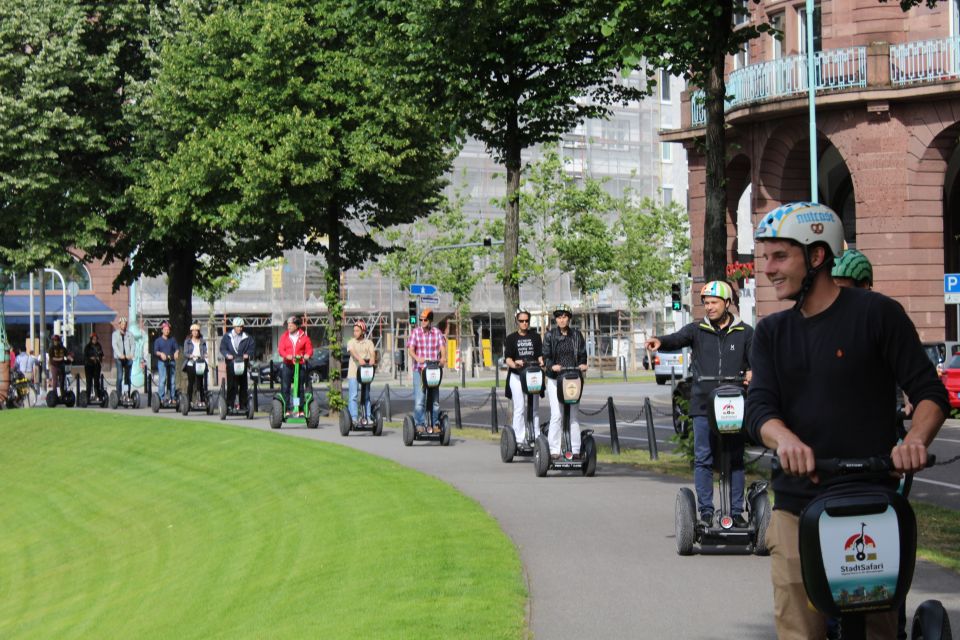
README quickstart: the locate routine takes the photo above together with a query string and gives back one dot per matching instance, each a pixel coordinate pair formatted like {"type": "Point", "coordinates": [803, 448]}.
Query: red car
{"type": "Point", "coordinates": [951, 380]}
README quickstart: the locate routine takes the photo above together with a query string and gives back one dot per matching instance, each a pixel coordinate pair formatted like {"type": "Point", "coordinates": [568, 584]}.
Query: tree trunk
{"type": "Point", "coordinates": [334, 304]}
{"type": "Point", "coordinates": [715, 222]}
{"type": "Point", "coordinates": [511, 227]}
{"type": "Point", "coordinates": [181, 274]}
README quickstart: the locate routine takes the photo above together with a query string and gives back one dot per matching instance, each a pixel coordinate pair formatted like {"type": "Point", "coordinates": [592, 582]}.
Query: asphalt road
{"type": "Point", "coordinates": [599, 553]}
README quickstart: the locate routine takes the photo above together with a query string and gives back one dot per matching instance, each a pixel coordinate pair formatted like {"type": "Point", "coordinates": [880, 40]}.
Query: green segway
{"type": "Point", "coordinates": [280, 413]}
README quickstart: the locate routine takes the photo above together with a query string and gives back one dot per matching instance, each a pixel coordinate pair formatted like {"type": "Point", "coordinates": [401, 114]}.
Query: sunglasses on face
{"type": "Point", "coordinates": [524, 321]}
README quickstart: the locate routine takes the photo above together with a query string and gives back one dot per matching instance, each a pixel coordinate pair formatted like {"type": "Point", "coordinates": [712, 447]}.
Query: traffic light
{"type": "Point", "coordinates": [413, 312]}
{"type": "Point", "coordinates": [675, 296]}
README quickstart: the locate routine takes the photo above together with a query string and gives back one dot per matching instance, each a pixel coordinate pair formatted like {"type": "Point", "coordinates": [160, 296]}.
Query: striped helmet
{"type": "Point", "coordinates": [716, 289]}
{"type": "Point", "coordinates": [362, 325]}
{"type": "Point", "coordinates": [854, 265]}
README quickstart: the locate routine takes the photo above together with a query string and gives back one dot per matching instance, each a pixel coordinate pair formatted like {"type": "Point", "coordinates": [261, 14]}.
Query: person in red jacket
{"type": "Point", "coordinates": [294, 346]}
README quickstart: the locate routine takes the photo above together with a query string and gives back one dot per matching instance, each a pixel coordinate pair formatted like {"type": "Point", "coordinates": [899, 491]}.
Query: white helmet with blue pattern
{"type": "Point", "coordinates": [805, 223]}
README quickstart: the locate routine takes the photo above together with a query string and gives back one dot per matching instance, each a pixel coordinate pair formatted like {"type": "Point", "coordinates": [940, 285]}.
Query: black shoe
{"type": "Point", "coordinates": [706, 518]}
{"type": "Point", "coordinates": [740, 522]}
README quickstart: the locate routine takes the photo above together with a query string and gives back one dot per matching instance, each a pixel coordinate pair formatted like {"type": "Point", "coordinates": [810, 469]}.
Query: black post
{"type": "Point", "coordinates": [651, 433]}
{"type": "Point", "coordinates": [389, 409]}
{"type": "Point", "coordinates": [256, 394]}
{"type": "Point", "coordinates": [147, 382]}
{"type": "Point", "coordinates": [271, 375]}
{"type": "Point", "coordinates": [77, 378]}
{"type": "Point", "coordinates": [456, 407]}
{"type": "Point", "coordinates": [494, 426]}
{"type": "Point", "coordinates": [614, 436]}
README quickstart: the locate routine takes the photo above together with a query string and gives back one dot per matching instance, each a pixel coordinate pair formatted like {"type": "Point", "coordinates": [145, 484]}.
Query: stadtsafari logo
{"type": "Point", "coordinates": [728, 410]}
{"type": "Point", "coordinates": [570, 389]}
{"type": "Point", "coordinates": [860, 554]}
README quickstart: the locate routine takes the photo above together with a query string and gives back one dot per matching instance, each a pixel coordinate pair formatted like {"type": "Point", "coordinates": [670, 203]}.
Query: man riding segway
{"type": "Point", "coordinates": [523, 354]}
{"type": "Point", "coordinates": [166, 350]}
{"type": "Point", "coordinates": [721, 348]}
{"type": "Point", "coordinates": [426, 344]}
{"type": "Point", "coordinates": [236, 349]}
{"type": "Point", "coordinates": [564, 352]}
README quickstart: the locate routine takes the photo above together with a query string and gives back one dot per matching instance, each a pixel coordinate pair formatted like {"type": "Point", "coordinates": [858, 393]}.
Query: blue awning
{"type": "Point", "coordinates": [87, 308]}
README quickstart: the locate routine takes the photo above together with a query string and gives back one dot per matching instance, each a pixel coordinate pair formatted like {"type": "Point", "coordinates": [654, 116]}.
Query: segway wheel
{"type": "Point", "coordinates": [250, 408]}
{"type": "Point", "coordinates": [378, 425]}
{"type": "Point", "coordinates": [104, 399]}
{"type": "Point", "coordinates": [208, 404]}
{"type": "Point", "coordinates": [113, 400]}
{"type": "Point", "coordinates": [82, 401]}
{"type": "Point", "coordinates": [70, 398]}
{"type": "Point", "coordinates": [508, 444]}
{"type": "Point", "coordinates": [345, 423]}
{"type": "Point", "coordinates": [588, 448]}
{"type": "Point", "coordinates": [222, 407]}
{"type": "Point", "coordinates": [183, 405]}
{"type": "Point", "coordinates": [313, 413]}
{"type": "Point", "coordinates": [52, 398]}
{"type": "Point", "coordinates": [444, 431]}
{"type": "Point", "coordinates": [760, 514]}
{"type": "Point", "coordinates": [135, 399]}
{"type": "Point", "coordinates": [541, 456]}
{"type": "Point", "coordinates": [408, 431]}
{"type": "Point", "coordinates": [276, 414]}
{"type": "Point", "coordinates": [685, 521]}
{"type": "Point", "coordinates": [155, 402]}
{"type": "Point", "coordinates": [931, 622]}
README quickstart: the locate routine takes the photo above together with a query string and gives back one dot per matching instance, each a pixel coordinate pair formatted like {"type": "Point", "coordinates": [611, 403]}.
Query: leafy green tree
{"type": "Point", "coordinates": [64, 71]}
{"type": "Point", "coordinates": [288, 124]}
{"type": "Point", "coordinates": [691, 39]}
{"type": "Point", "coordinates": [520, 73]}
{"type": "Point", "coordinates": [652, 251]}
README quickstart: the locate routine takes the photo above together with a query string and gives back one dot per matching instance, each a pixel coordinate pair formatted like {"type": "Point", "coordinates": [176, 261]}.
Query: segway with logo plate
{"type": "Point", "coordinates": [531, 381]}
{"type": "Point", "coordinates": [569, 390]}
{"type": "Point", "coordinates": [295, 414]}
{"type": "Point", "coordinates": [858, 544]}
{"type": "Point", "coordinates": [430, 377]}
{"type": "Point", "coordinates": [238, 408]}
{"type": "Point", "coordinates": [169, 402]}
{"type": "Point", "coordinates": [201, 398]}
{"type": "Point", "coordinates": [372, 423]}
{"type": "Point", "coordinates": [726, 410]}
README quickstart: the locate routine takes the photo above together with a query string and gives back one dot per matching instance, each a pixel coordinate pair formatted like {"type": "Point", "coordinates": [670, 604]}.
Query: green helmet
{"type": "Point", "coordinates": [854, 265]}
{"type": "Point", "coordinates": [717, 289]}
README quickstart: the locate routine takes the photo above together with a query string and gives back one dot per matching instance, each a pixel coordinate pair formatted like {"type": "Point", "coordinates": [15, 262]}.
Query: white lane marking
{"type": "Point", "coordinates": [936, 482]}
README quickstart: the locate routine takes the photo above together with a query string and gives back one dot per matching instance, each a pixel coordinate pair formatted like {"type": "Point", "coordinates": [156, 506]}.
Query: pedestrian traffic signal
{"type": "Point", "coordinates": [413, 312]}
{"type": "Point", "coordinates": [675, 296]}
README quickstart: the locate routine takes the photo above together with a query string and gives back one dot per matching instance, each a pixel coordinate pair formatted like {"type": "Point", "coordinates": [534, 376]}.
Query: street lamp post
{"type": "Point", "coordinates": [812, 93]}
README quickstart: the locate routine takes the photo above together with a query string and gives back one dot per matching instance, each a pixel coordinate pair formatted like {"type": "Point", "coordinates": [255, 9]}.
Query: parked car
{"type": "Point", "coordinates": [941, 353]}
{"type": "Point", "coordinates": [318, 365]}
{"type": "Point", "coordinates": [951, 380]}
{"type": "Point", "coordinates": [667, 363]}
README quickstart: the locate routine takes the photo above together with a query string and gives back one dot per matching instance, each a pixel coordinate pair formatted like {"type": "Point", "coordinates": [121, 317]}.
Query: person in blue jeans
{"type": "Point", "coordinates": [362, 351]}
{"type": "Point", "coordinates": [426, 343]}
{"type": "Point", "coordinates": [167, 351]}
{"type": "Point", "coordinates": [720, 345]}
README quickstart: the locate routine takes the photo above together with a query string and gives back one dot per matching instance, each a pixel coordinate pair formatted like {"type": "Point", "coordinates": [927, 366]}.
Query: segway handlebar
{"type": "Point", "coordinates": [853, 466]}
{"type": "Point", "coordinates": [737, 379]}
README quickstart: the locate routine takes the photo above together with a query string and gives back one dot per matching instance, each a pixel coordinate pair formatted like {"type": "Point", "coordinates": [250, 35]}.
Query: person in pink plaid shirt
{"type": "Point", "coordinates": [426, 342]}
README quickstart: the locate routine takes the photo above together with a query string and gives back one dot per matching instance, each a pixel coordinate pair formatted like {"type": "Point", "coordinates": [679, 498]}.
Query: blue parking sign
{"type": "Point", "coordinates": [951, 283]}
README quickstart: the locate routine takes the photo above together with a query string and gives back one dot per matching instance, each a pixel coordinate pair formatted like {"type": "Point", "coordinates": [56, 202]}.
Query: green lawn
{"type": "Point", "coordinates": [117, 525]}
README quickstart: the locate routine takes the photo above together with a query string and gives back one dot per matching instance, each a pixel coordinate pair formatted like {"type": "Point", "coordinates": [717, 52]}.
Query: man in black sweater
{"type": "Point", "coordinates": [824, 375]}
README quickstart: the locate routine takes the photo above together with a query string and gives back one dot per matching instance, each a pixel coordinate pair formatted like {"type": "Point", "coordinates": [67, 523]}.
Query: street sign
{"type": "Point", "coordinates": [951, 298]}
{"type": "Point", "coordinates": [951, 283]}
{"type": "Point", "coordinates": [423, 289]}
{"type": "Point", "coordinates": [73, 289]}
{"type": "Point", "coordinates": [430, 300]}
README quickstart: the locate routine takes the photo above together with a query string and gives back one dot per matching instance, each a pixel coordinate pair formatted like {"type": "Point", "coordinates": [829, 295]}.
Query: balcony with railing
{"type": "Point", "coordinates": [879, 66]}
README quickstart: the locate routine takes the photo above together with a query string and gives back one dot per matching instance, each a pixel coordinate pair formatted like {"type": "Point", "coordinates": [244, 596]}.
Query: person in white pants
{"type": "Point", "coordinates": [522, 349]}
{"type": "Point", "coordinates": [563, 347]}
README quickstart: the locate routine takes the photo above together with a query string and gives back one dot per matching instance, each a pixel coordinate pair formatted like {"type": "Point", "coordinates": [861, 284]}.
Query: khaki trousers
{"type": "Point", "coordinates": [796, 619]}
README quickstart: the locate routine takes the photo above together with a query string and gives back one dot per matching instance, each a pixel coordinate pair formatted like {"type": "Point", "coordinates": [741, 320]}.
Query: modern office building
{"type": "Point", "coordinates": [887, 123]}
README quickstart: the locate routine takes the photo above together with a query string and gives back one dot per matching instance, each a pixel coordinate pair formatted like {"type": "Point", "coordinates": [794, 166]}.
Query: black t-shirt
{"type": "Point", "coordinates": [528, 348]}
{"type": "Point", "coordinates": [831, 379]}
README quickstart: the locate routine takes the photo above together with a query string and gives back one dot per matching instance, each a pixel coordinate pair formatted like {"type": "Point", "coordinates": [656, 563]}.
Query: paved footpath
{"type": "Point", "coordinates": [599, 553]}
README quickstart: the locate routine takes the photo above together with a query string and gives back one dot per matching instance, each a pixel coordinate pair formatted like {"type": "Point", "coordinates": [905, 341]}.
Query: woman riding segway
{"type": "Point", "coordinates": [236, 348]}
{"type": "Point", "coordinates": [60, 359]}
{"type": "Point", "coordinates": [523, 353]}
{"type": "Point", "coordinates": [92, 368]}
{"type": "Point", "coordinates": [564, 348]}
{"type": "Point", "coordinates": [295, 349]}
{"type": "Point", "coordinates": [195, 366]}
{"type": "Point", "coordinates": [363, 362]}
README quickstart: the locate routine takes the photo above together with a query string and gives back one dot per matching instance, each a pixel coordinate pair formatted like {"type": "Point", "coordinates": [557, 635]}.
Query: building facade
{"type": "Point", "coordinates": [887, 125]}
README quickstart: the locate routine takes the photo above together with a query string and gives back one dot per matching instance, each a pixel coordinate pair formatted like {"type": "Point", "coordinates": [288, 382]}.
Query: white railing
{"type": "Point", "coordinates": [925, 61]}
{"type": "Point", "coordinates": [836, 69]}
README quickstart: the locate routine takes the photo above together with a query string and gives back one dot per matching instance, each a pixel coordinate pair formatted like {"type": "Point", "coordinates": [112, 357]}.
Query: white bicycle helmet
{"type": "Point", "coordinates": [805, 223]}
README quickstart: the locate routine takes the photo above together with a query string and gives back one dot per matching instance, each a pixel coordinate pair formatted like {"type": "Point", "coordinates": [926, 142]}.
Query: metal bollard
{"type": "Point", "coordinates": [456, 408]}
{"type": "Point", "coordinates": [271, 375]}
{"type": "Point", "coordinates": [147, 383]}
{"type": "Point", "coordinates": [494, 426]}
{"type": "Point", "coordinates": [77, 378]}
{"type": "Point", "coordinates": [389, 409]}
{"type": "Point", "coordinates": [614, 436]}
{"type": "Point", "coordinates": [256, 394]}
{"type": "Point", "coordinates": [651, 433]}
